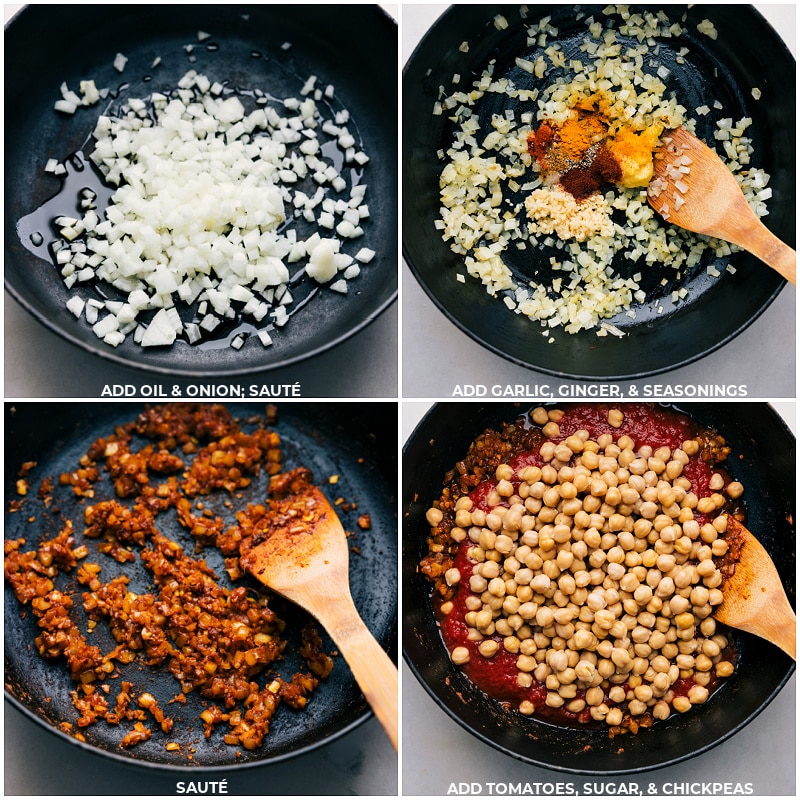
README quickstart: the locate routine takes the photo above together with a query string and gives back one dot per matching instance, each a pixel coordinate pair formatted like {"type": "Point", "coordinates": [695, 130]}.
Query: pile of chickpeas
{"type": "Point", "coordinates": [593, 570]}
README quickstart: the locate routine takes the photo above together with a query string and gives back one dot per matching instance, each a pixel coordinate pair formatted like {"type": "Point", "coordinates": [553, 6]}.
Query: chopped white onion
{"type": "Point", "coordinates": [199, 215]}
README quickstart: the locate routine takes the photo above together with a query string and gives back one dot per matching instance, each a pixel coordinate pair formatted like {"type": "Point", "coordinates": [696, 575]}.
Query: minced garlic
{"type": "Point", "coordinates": [554, 210]}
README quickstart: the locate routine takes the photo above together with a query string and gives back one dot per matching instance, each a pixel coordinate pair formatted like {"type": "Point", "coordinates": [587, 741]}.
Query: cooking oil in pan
{"type": "Point", "coordinates": [37, 231]}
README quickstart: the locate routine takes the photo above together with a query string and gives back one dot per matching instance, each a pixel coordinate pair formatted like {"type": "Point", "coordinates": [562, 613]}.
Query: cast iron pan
{"type": "Point", "coordinates": [747, 53]}
{"type": "Point", "coordinates": [762, 457]}
{"type": "Point", "coordinates": [356, 442]}
{"type": "Point", "coordinates": [354, 48]}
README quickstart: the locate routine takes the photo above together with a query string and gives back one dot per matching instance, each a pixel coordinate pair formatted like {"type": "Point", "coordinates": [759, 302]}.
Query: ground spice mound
{"type": "Point", "coordinates": [592, 149]}
{"type": "Point", "coordinates": [217, 636]}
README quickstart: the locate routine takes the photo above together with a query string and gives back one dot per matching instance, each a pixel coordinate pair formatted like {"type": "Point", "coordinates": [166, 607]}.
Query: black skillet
{"type": "Point", "coordinates": [747, 53]}
{"type": "Point", "coordinates": [354, 441]}
{"type": "Point", "coordinates": [352, 47]}
{"type": "Point", "coordinates": [762, 457]}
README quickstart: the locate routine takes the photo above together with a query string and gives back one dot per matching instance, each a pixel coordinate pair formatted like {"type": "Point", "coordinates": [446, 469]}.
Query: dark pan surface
{"type": "Point", "coordinates": [352, 47]}
{"type": "Point", "coordinates": [767, 469]}
{"type": "Point", "coordinates": [355, 441]}
{"type": "Point", "coordinates": [747, 53]}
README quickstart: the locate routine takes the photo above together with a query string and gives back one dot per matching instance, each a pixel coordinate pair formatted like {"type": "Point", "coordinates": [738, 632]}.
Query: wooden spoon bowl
{"type": "Point", "coordinates": [693, 189]}
{"type": "Point", "coordinates": [304, 557]}
{"type": "Point", "coordinates": [754, 599]}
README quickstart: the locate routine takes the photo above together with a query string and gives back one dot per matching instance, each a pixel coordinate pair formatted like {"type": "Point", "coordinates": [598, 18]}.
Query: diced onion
{"type": "Point", "coordinates": [199, 216]}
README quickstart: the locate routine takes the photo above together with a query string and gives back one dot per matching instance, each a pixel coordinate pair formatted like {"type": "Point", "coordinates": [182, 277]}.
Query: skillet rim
{"type": "Point", "coordinates": [462, 321]}
{"type": "Point", "coordinates": [332, 423]}
{"type": "Point", "coordinates": [44, 311]}
{"type": "Point", "coordinates": [419, 625]}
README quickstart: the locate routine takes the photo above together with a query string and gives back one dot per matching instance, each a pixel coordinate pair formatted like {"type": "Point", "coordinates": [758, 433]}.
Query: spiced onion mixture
{"type": "Point", "coordinates": [575, 572]}
{"type": "Point", "coordinates": [222, 643]}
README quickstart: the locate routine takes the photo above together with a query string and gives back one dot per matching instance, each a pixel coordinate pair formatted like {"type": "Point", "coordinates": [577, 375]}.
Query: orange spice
{"type": "Point", "coordinates": [560, 149]}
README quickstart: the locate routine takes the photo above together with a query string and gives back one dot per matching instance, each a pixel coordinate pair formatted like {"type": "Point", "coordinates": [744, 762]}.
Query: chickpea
{"type": "Point", "coordinates": [616, 694]}
{"type": "Point", "coordinates": [734, 490]}
{"type": "Point", "coordinates": [590, 459]}
{"type": "Point", "coordinates": [452, 576]}
{"type": "Point", "coordinates": [488, 647]}
{"type": "Point", "coordinates": [594, 696]}
{"type": "Point", "coordinates": [685, 621]}
{"type": "Point", "coordinates": [512, 520]}
{"type": "Point", "coordinates": [502, 628]}
{"type": "Point", "coordinates": [463, 518]}
{"type": "Point", "coordinates": [434, 517]}
{"type": "Point", "coordinates": [458, 534]}
{"type": "Point", "coordinates": [551, 430]}
{"type": "Point", "coordinates": [460, 655]}
{"type": "Point", "coordinates": [681, 704]}
{"type": "Point", "coordinates": [539, 415]}
{"type": "Point", "coordinates": [558, 661]}
{"type": "Point", "coordinates": [575, 445]}
{"type": "Point", "coordinates": [636, 707]}
{"type": "Point", "coordinates": [504, 544]}
{"type": "Point", "coordinates": [494, 521]}
{"type": "Point", "coordinates": [719, 548]}
{"type": "Point", "coordinates": [540, 584]}
{"type": "Point", "coordinates": [487, 539]}
{"type": "Point", "coordinates": [489, 570]}
{"type": "Point", "coordinates": [673, 469]}
{"type": "Point", "coordinates": [478, 584]}
{"type": "Point", "coordinates": [527, 708]}
{"type": "Point", "coordinates": [473, 603]}
{"type": "Point", "coordinates": [710, 649]}
{"type": "Point", "coordinates": [724, 669]}
{"type": "Point", "coordinates": [665, 588]}
{"type": "Point", "coordinates": [504, 472]}
{"type": "Point", "coordinates": [643, 693]}
{"type": "Point", "coordinates": [615, 417]}
{"type": "Point", "coordinates": [482, 619]}
{"type": "Point", "coordinates": [526, 663]}
{"type": "Point", "coordinates": [576, 706]}
{"type": "Point", "coordinates": [697, 694]}
{"type": "Point", "coordinates": [661, 682]}
{"type": "Point", "coordinates": [660, 710]}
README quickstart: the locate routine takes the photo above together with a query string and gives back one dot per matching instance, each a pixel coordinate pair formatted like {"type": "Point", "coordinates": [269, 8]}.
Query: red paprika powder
{"type": "Point", "coordinates": [585, 180]}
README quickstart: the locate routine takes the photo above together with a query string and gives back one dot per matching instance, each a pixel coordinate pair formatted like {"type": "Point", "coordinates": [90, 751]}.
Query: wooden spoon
{"type": "Point", "coordinates": [713, 203]}
{"type": "Point", "coordinates": [753, 597]}
{"type": "Point", "coordinates": [304, 557]}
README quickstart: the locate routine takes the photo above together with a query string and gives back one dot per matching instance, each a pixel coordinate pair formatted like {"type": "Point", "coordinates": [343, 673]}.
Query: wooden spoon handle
{"type": "Point", "coordinates": [771, 250]}
{"type": "Point", "coordinates": [757, 239]}
{"type": "Point", "coordinates": [372, 668]}
{"type": "Point", "coordinates": [776, 623]}
{"type": "Point", "coordinates": [783, 631]}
